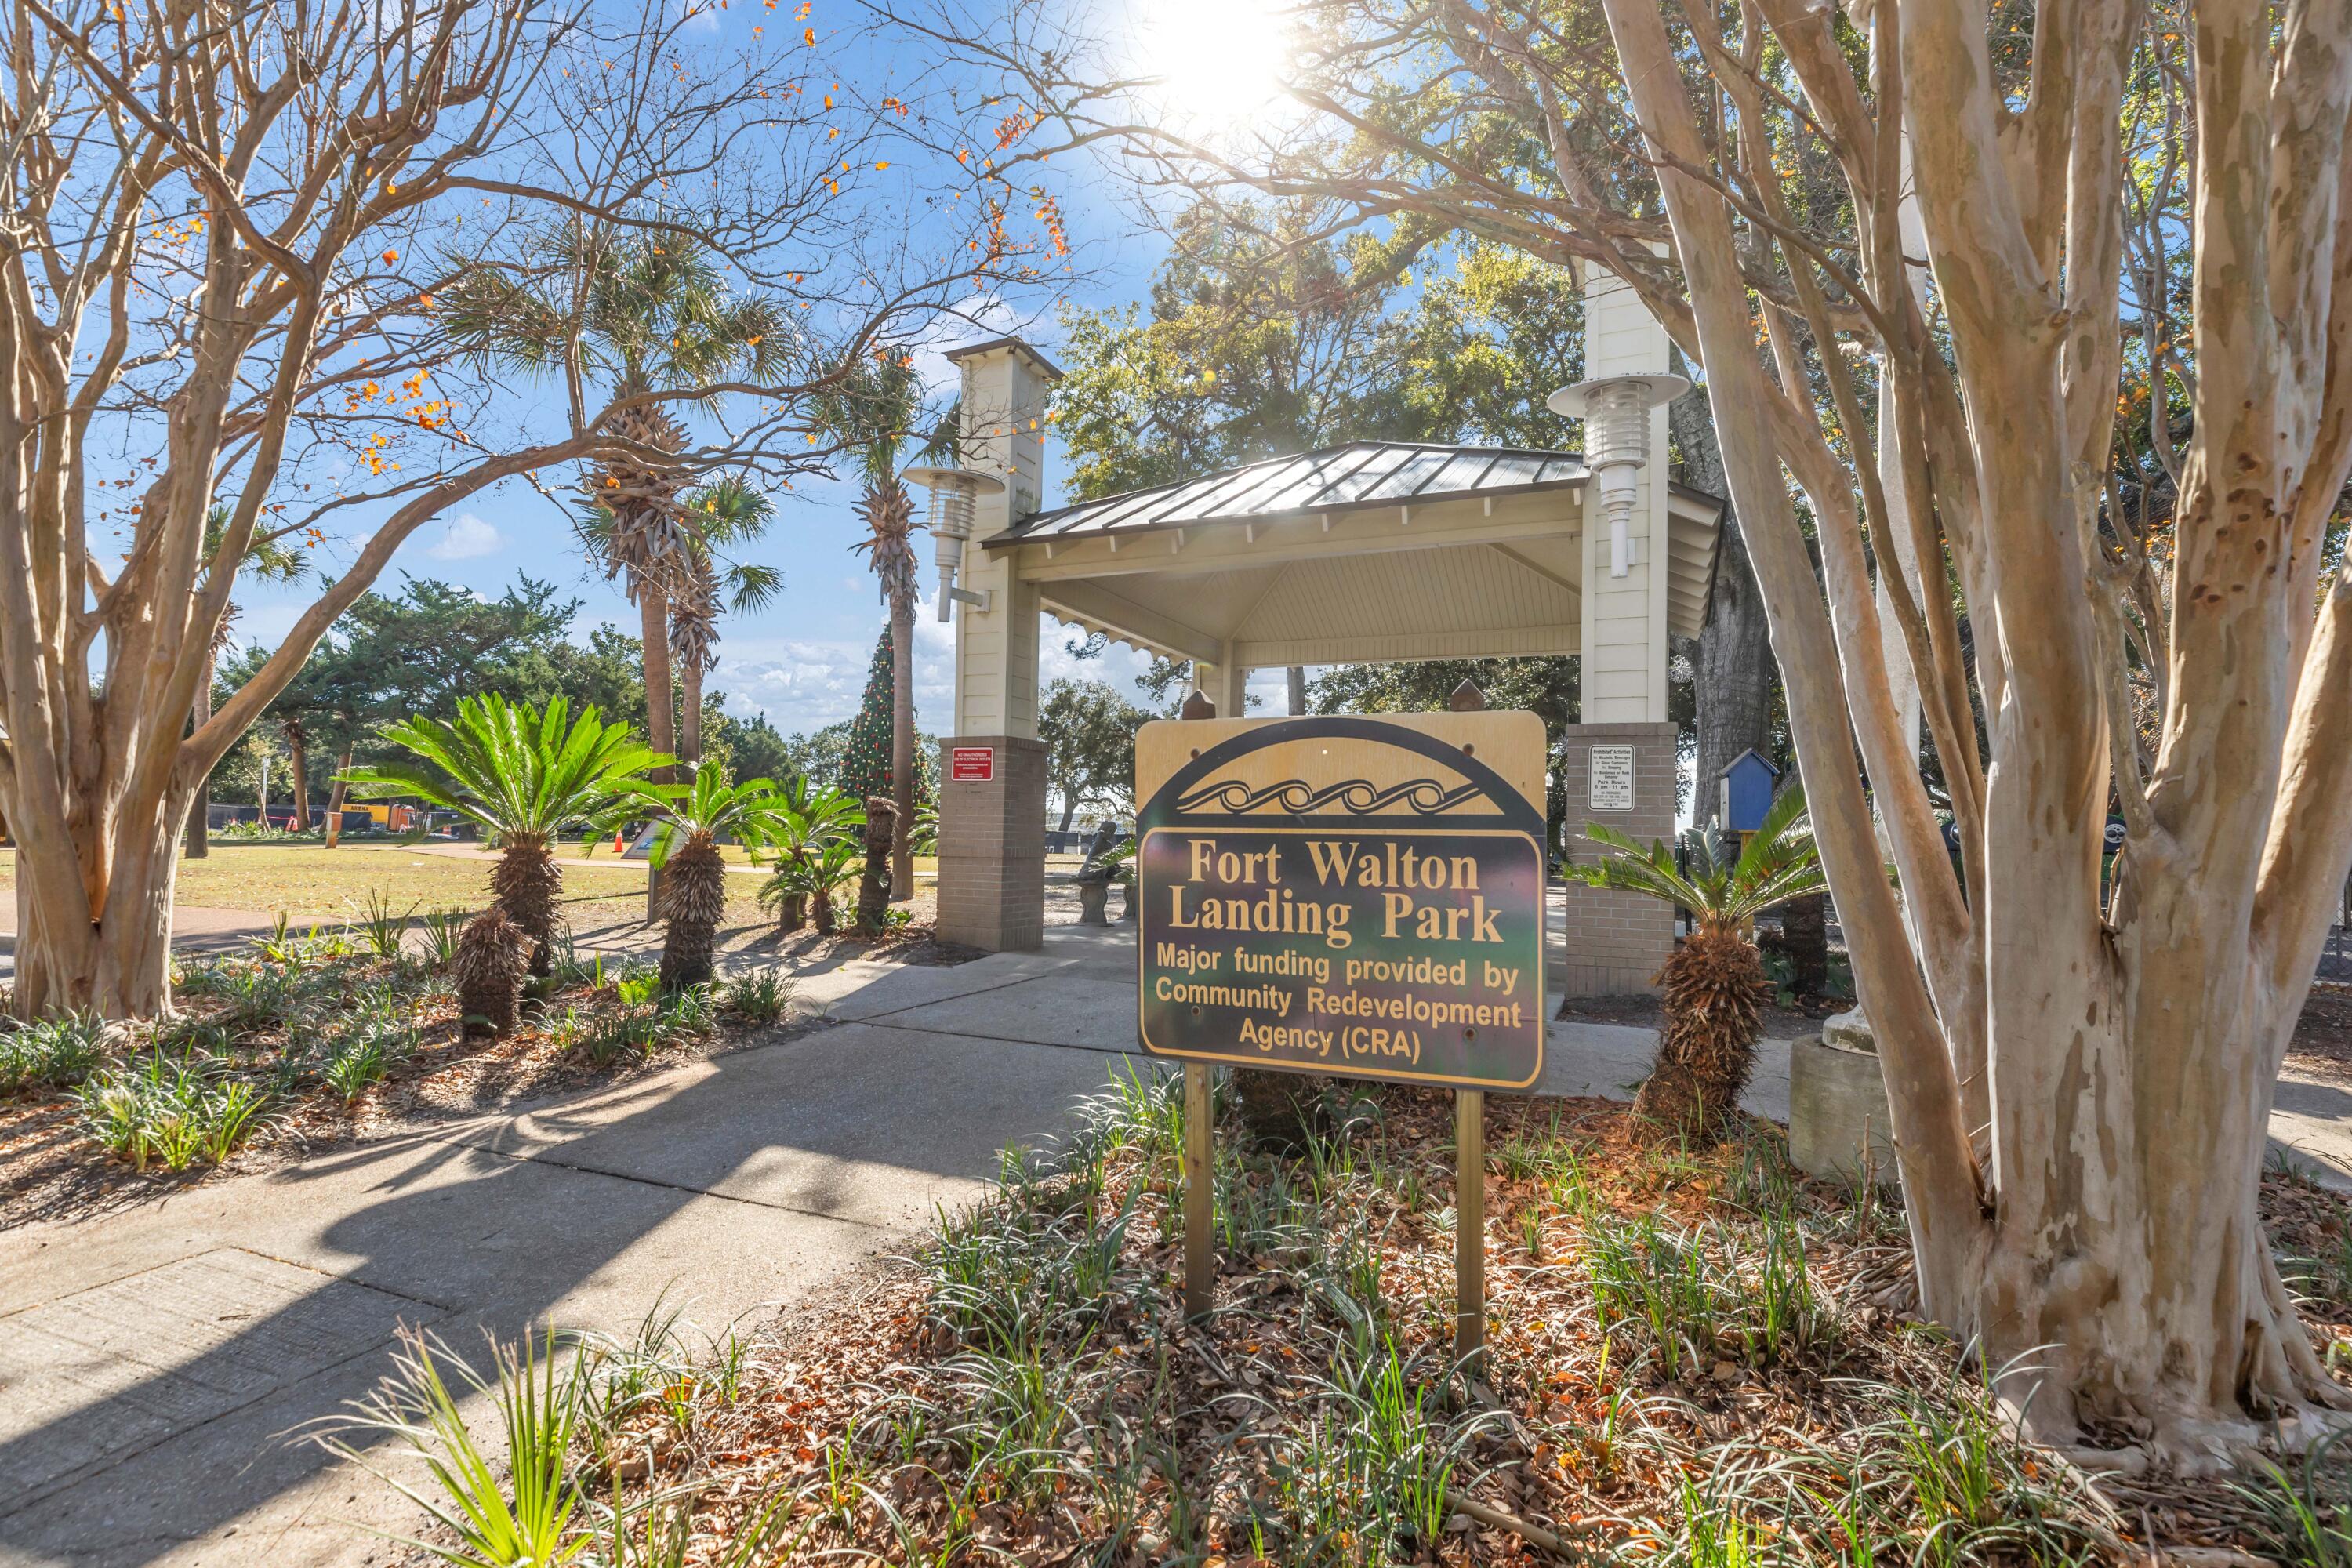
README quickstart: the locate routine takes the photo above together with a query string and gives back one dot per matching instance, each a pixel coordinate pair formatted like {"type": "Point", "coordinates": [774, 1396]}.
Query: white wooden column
{"type": "Point", "coordinates": [1227, 684]}
{"type": "Point", "coordinates": [1004, 391]}
{"type": "Point", "coordinates": [992, 850]}
{"type": "Point", "coordinates": [1624, 618]}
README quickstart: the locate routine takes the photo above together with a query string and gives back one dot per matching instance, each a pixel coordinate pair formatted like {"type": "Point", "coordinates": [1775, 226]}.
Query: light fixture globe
{"type": "Point", "coordinates": [953, 491]}
{"type": "Point", "coordinates": [1616, 413]}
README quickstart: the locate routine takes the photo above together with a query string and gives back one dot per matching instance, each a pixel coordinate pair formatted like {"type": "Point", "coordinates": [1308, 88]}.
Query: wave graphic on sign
{"type": "Point", "coordinates": [1297, 797]}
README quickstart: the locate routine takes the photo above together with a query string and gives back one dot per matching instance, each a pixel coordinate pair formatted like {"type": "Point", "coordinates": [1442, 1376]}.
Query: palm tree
{"type": "Point", "coordinates": [727, 512]}
{"type": "Point", "coordinates": [873, 411]}
{"type": "Point", "coordinates": [651, 314]}
{"type": "Point", "coordinates": [1714, 985]}
{"type": "Point", "coordinates": [521, 776]}
{"type": "Point", "coordinates": [694, 817]}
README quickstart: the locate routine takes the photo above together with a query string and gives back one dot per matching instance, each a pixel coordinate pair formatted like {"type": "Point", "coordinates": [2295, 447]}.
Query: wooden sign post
{"type": "Point", "coordinates": [1357, 896]}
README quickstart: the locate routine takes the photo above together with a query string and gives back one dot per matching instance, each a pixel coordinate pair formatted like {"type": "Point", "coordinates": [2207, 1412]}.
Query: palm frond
{"type": "Point", "coordinates": [513, 771]}
{"type": "Point", "coordinates": [1779, 862]}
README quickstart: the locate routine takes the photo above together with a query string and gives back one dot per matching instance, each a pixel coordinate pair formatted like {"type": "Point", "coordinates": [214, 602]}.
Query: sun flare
{"type": "Point", "coordinates": [1218, 63]}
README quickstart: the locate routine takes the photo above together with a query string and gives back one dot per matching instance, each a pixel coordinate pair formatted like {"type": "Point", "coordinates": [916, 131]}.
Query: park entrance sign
{"type": "Point", "coordinates": [1361, 896]}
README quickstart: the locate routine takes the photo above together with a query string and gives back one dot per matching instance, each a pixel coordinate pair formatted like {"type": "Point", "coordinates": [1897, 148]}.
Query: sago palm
{"type": "Point", "coordinates": [521, 776]}
{"type": "Point", "coordinates": [807, 823]}
{"type": "Point", "coordinates": [1714, 985]}
{"type": "Point", "coordinates": [692, 818]}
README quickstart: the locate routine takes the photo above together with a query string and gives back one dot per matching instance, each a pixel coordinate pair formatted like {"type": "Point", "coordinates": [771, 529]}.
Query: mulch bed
{"type": "Point", "coordinates": [852, 1431]}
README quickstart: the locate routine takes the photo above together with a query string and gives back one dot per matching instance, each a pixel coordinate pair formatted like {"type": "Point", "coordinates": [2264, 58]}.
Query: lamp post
{"type": "Point", "coordinates": [953, 491]}
{"type": "Point", "coordinates": [1616, 413]}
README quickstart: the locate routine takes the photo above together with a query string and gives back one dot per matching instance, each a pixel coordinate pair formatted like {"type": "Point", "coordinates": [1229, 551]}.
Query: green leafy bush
{"type": "Point", "coordinates": [172, 1111]}
{"type": "Point", "coordinates": [57, 1051]}
{"type": "Point", "coordinates": [762, 996]}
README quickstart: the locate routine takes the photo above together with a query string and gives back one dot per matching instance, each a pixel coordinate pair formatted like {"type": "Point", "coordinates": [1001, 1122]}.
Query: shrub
{"type": "Point", "coordinates": [58, 1051]}
{"type": "Point", "coordinates": [442, 928]}
{"type": "Point", "coordinates": [171, 1111]}
{"type": "Point", "coordinates": [762, 996]}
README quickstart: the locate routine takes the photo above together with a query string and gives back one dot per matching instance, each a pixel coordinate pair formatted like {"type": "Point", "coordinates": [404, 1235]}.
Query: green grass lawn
{"type": "Point", "coordinates": [318, 884]}
{"type": "Point", "coordinates": [312, 883]}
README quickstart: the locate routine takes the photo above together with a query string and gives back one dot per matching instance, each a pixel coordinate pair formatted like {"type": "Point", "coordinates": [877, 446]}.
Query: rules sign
{"type": "Point", "coordinates": [1354, 895]}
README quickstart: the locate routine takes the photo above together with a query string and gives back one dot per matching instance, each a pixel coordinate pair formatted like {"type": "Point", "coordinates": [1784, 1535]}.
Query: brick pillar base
{"type": "Point", "coordinates": [1617, 941]}
{"type": "Point", "coordinates": [992, 845]}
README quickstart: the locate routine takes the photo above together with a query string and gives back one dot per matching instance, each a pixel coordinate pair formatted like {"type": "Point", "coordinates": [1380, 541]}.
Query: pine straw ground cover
{"type": "Point", "coordinates": [1690, 1363]}
{"type": "Point", "coordinates": [311, 1040]}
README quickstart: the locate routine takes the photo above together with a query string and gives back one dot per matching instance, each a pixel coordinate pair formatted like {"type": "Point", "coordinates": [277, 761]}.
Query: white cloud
{"type": "Point", "coordinates": [468, 538]}
{"type": "Point", "coordinates": [978, 318]}
{"type": "Point", "coordinates": [804, 684]}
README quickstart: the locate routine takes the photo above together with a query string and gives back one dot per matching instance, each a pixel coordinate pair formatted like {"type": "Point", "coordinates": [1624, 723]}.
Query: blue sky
{"type": "Point", "coordinates": [803, 659]}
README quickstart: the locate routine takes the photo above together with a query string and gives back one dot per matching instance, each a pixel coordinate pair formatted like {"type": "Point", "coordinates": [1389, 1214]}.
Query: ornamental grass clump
{"type": "Point", "coordinates": [62, 1050]}
{"type": "Point", "coordinates": [1713, 987]}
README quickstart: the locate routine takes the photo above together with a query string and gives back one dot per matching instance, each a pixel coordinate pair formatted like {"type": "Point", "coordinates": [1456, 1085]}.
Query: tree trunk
{"type": "Point", "coordinates": [690, 721]}
{"type": "Point", "coordinates": [1733, 671]}
{"type": "Point", "coordinates": [1069, 809]}
{"type": "Point", "coordinates": [695, 897]}
{"type": "Point", "coordinates": [198, 842]}
{"type": "Point", "coordinates": [2109, 1263]}
{"type": "Point", "coordinates": [902, 745]}
{"type": "Point", "coordinates": [1805, 938]}
{"type": "Point", "coordinates": [661, 714]}
{"type": "Point", "coordinates": [336, 797]}
{"type": "Point", "coordinates": [1298, 678]}
{"type": "Point", "coordinates": [1712, 989]}
{"type": "Point", "coordinates": [874, 879]}
{"type": "Point", "coordinates": [298, 764]}
{"type": "Point", "coordinates": [120, 965]}
{"type": "Point", "coordinates": [526, 883]}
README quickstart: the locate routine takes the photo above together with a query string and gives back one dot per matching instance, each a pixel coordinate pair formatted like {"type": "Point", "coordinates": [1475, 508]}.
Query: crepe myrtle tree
{"type": "Point", "coordinates": [2030, 356]}
{"type": "Point", "coordinates": [224, 249]}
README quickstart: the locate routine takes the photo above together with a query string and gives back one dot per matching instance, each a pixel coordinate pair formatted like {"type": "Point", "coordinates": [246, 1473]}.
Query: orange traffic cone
{"type": "Point", "coordinates": [619, 848]}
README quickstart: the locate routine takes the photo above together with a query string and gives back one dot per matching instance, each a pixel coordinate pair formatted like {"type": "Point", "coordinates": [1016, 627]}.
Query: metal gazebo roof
{"type": "Point", "coordinates": [1336, 479]}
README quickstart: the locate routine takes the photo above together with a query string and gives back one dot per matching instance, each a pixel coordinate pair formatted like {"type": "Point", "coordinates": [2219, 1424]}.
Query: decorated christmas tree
{"type": "Point", "coordinates": [865, 761]}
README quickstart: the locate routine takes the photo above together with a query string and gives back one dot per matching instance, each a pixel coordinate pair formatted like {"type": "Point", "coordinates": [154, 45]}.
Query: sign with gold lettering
{"type": "Point", "coordinates": [1362, 896]}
